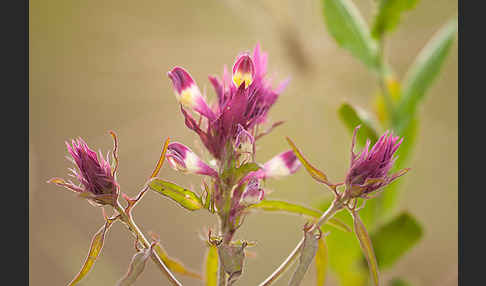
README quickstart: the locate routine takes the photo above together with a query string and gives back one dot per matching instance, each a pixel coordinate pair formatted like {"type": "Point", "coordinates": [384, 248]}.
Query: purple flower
{"type": "Point", "coordinates": [98, 183]}
{"type": "Point", "coordinates": [237, 104]}
{"type": "Point", "coordinates": [252, 193]}
{"type": "Point", "coordinates": [284, 164]}
{"type": "Point", "coordinates": [183, 159]}
{"type": "Point", "coordinates": [369, 170]}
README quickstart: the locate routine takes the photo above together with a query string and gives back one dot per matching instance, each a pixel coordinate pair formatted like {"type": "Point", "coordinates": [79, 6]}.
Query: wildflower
{"type": "Point", "coordinates": [97, 181]}
{"type": "Point", "coordinates": [183, 159]}
{"type": "Point", "coordinates": [243, 99]}
{"type": "Point", "coordinates": [369, 170]}
{"type": "Point", "coordinates": [252, 194]}
{"type": "Point", "coordinates": [284, 164]}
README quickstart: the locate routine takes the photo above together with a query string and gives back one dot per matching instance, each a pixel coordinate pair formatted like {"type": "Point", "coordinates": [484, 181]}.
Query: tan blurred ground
{"type": "Point", "coordinates": [101, 65]}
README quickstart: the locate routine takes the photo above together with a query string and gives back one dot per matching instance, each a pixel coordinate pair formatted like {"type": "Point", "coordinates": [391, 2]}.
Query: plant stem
{"type": "Point", "coordinates": [330, 212]}
{"type": "Point", "coordinates": [127, 219]}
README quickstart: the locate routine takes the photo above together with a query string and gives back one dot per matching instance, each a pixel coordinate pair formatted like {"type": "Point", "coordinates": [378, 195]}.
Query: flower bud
{"type": "Point", "coordinates": [252, 194]}
{"type": "Point", "coordinates": [243, 70]}
{"type": "Point", "coordinates": [94, 173]}
{"type": "Point", "coordinates": [188, 93]}
{"type": "Point", "coordinates": [369, 170]}
{"type": "Point", "coordinates": [183, 159]}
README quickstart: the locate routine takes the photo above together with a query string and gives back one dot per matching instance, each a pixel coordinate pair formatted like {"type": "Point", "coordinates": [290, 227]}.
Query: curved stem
{"type": "Point", "coordinates": [336, 206]}
{"type": "Point", "coordinates": [127, 219]}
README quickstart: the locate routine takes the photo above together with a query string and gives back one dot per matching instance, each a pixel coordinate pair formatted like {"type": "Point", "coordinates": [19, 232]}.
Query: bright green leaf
{"type": "Point", "coordinates": [136, 267]}
{"type": "Point", "coordinates": [366, 247]}
{"type": "Point", "coordinates": [395, 238]}
{"type": "Point", "coordinates": [184, 197]}
{"type": "Point", "coordinates": [174, 265]}
{"type": "Point", "coordinates": [346, 25]}
{"type": "Point", "coordinates": [307, 254]}
{"type": "Point", "coordinates": [281, 206]}
{"type": "Point", "coordinates": [321, 262]}
{"type": "Point", "coordinates": [352, 117]}
{"type": "Point", "coordinates": [423, 72]}
{"type": "Point", "coordinates": [389, 12]}
{"type": "Point", "coordinates": [94, 252]}
{"type": "Point", "coordinates": [212, 261]}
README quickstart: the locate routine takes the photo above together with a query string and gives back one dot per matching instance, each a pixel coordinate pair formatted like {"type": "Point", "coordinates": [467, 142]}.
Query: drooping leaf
{"type": "Point", "coordinates": [136, 267]}
{"type": "Point", "coordinates": [232, 257]}
{"type": "Point", "coordinates": [353, 117]}
{"type": "Point", "coordinates": [317, 174]}
{"type": "Point", "coordinates": [94, 251]}
{"type": "Point", "coordinates": [281, 206]}
{"type": "Point", "coordinates": [346, 25]}
{"type": "Point", "coordinates": [388, 17]}
{"type": "Point", "coordinates": [212, 262]}
{"type": "Point", "coordinates": [174, 265]}
{"type": "Point", "coordinates": [395, 238]}
{"type": "Point", "coordinates": [307, 254]}
{"type": "Point", "coordinates": [423, 72]}
{"type": "Point", "coordinates": [184, 197]}
{"type": "Point", "coordinates": [366, 247]}
{"type": "Point", "coordinates": [321, 262]}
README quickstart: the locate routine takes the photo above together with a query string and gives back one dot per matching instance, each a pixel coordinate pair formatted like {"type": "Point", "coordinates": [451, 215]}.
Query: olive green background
{"type": "Point", "coordinates": [101, 65]}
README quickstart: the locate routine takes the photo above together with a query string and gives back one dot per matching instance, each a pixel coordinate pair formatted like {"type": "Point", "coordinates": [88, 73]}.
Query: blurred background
{"type": "Point", "coordinates": [101, 65]}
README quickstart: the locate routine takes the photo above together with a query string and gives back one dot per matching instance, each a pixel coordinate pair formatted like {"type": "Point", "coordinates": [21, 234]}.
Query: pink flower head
{"type": "Point", "coordinates": [369, 170]}
{"type": "Point", "coordinates": [183, 159]}
{"type": "Point", "coordinates": [93, 172]}
{"type": "Point", "coordinates": [237, 104]}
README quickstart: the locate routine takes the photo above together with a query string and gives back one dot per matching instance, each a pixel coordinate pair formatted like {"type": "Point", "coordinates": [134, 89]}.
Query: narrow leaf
{"type": "Point", "coordinates": [395, 238]}
{"type": "Point", "coordinates": [136, 267]}
{"type": "Point", "coordinates": [347, 27]}
{"type": "Point", "coordinates": [317, 174]}
{"type": "Point", "coordinates": [174, 265]}
{"type": "Point", "coordinates": [321, 262]}
{"type": "Point", "coordinates": [212, 261]}
{"type": "Point", "coordinates": [389, 13]}
{"type": "Point", "coordinates": [423, 72]}
{"type": "Point", "coordinates": [184, 197]}
{"type": "Point", "coordinates": [281, 206]}
{"type": "Point", "coordinates": [308, 252]}
{"type": "Point", "coordinates": [353, 117]}
{"type": "Point", "coordinates": [94, 251]}
{"type": "Point", "coordinates": [366, 247]}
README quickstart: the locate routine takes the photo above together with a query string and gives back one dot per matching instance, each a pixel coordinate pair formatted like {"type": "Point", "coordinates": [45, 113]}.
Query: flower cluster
{"type": "Point", "coordinates": [228, 130]}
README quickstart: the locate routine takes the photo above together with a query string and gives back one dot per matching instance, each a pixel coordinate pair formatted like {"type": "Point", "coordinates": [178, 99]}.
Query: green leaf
{"type": "Point", "coordinates": [347, 27]}
{"type": "Point", "coordinates": [321, 262]}
{"type": "Point", "coordinates": [423, 72]}
{"type": "Point", "coordinates": [212, 261]}
{"type": "Point", "coordinates": [389, 196]}
{"type": "Point", "coordinates": [307, 254]}
{"type": "Point", "coordinates": [366, 247]}
{"type": "Point", "coordinates": [317, 174]}
{"type": "Point", "coordinates": [174, 265]}
{"type": "Point", "coordinates": [244, 169]}
{"type": "Point", "coordinates": [136, 267]}
{"type": "Point", "coordinates": [395, 238]}
{"type": "Point", "coordinates": [398, 282]}
{"type": "Point", "coordinates": [276, 206]}
{"type": "Point", "coordinates": [94, 251]}
{"type": "Point", "coordinates": [353, 117]}
{"type": "Point", "coordinates": [389, 13]}
{"type": "Point", "coordinates": [184, 197]}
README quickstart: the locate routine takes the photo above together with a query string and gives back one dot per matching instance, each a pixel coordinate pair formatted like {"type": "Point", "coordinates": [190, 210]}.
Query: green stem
{"type": "Point", "coordinates": [330, 212]}
{"type": "Point", "coordinates": [127, 219]}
